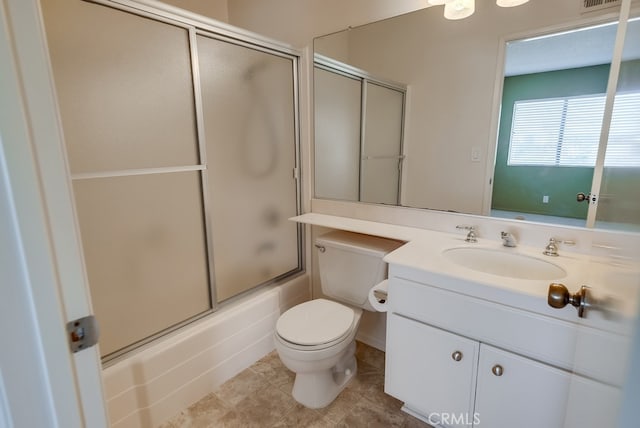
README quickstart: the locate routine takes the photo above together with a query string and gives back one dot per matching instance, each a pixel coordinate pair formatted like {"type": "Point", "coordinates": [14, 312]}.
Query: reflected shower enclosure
{"type": "Point", "coordinates": [359, 131]}
{"type": "Point", "coordinates": [181, 146]}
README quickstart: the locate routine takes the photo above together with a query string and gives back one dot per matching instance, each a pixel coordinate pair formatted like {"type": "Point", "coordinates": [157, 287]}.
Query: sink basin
{"type": "Point", "coordinates": [503, 263]}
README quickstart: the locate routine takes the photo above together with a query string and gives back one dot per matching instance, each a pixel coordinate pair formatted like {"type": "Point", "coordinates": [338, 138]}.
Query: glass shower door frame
{"type": "Point", "coordinates": [196, 25]}
{"type": "Point", "coordinates": [294, 57]}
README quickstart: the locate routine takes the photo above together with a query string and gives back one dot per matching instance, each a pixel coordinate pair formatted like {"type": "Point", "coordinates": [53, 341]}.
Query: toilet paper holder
{"type": "Point", "coordinates": [380, 296]}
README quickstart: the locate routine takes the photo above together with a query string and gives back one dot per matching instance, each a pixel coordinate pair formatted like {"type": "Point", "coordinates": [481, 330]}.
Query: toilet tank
{"type": "Point", "coordinates": [350, 264]}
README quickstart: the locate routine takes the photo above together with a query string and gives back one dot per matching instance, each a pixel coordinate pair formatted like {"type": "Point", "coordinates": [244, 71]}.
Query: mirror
{"type": "Point", "coordinates": [455, 73]}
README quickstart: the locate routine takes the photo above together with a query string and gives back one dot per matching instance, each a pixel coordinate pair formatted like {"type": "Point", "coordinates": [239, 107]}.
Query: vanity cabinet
{"type": "Point", "coordinates": [461, 382]}
{"type": "Point", "coordinates": [449, 368]}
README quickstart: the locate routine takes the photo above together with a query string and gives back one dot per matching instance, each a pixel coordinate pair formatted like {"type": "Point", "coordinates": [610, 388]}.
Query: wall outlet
{"type": "Point", "coordinates": [545, 199]}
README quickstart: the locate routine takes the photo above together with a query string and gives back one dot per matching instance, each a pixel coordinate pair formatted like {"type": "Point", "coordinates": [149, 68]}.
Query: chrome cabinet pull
{"type": "Point", "coordinates": [497, 370]}
{"type": "Point", "coordinates": [457, 356]}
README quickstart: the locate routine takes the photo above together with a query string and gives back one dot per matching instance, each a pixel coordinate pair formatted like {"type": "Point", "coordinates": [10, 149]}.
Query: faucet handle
{"type": "Point", "coordinates": [552, 247]}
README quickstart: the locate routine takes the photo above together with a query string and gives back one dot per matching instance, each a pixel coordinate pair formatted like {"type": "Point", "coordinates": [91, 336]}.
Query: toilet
{"type": "Point", "coordinates": [316, 339]}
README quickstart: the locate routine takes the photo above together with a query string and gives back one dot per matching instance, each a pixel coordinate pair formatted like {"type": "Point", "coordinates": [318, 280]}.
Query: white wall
{"type": "Point", "coordinates": [216, 9]}
{"type": "Point", "coordinates": [335, 46]}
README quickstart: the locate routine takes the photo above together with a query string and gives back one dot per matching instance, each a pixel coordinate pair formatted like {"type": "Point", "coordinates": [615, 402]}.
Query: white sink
{"type": "Point", "coordinates": [504, 263]}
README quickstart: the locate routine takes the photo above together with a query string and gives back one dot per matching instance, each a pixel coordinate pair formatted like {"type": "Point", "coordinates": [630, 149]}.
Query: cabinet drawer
{"type": "Point", "coordinates": [431, 370]}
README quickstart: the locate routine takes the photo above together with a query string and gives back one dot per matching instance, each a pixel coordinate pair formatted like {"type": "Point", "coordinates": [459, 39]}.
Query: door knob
{"type": "Point", "coordinates": [457, 356]}
{"type": "Point", "coordinates": [580, 197]}
{"type": "Point", "coordinates": [558, 297]}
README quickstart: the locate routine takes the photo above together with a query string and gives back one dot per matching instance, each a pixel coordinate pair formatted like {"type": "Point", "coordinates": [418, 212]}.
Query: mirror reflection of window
{"type": "Point", "coordinates": [551, 120]}
{"type": "Point", "coordinates": [566, 131]}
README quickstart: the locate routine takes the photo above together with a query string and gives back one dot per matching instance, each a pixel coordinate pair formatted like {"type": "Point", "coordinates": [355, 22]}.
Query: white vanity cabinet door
{"type": "Point", "coordinates": [514, 391]}
{"type": "Point", "coordinates": [423, 371]}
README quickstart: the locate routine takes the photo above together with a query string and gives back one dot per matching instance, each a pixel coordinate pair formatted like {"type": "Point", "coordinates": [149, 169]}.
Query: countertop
{"type": "Point", "coordinates": [421, 259]}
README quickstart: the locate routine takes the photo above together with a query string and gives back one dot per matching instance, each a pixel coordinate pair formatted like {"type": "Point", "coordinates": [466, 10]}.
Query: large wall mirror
{"type": "Point", "coordinates": [507, 111]}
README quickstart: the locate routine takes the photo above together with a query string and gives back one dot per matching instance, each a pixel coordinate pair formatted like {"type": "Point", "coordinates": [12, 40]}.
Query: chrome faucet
{"type": "Point", "coordinates": [508, 240]}
{"type": "Point", "coordinates": [551, 249]}
{"type": "Point", "coordinates": [472, 236]}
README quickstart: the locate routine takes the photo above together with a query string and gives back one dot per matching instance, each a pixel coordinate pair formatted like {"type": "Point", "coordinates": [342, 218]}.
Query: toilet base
{"type": "Point", "coordinates": [318, 389]}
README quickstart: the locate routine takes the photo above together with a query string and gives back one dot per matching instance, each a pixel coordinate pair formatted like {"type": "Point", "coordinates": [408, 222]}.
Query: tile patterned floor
{"type": "Point", "coordinates": [260, 396]}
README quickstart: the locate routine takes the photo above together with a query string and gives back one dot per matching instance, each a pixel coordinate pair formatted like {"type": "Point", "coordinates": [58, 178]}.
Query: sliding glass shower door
{"type": "Point", "coordinates": [182, 150]}
{"type": "Point", "coordinates": [249, 127]}
{"type": "Point", "coordinates": [130, 129]}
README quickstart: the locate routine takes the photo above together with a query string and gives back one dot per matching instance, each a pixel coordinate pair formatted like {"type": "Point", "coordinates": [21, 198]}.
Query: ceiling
{"type": "Point", "coordinates": [570, 49]}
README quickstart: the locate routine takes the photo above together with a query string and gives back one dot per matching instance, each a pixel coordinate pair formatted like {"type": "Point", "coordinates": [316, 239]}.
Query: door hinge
{"type": "Point", "coordinates": [296, 173]}
{"type": "Point", "coordinates": [83, 333]}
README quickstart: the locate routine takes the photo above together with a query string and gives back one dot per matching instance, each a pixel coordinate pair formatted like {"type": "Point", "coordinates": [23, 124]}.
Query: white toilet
{"type": "Point", "coordinates": [316, 339]}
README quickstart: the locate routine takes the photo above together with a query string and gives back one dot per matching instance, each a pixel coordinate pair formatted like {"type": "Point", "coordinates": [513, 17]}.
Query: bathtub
{"type": "Point", "coordinates": [161, 379]}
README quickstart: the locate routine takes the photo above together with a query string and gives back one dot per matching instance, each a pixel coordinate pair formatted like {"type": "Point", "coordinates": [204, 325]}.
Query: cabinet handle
{"type": "Point", "coordinates": [497, 370]}
{"type": "Point", "coordinates": [457, 356]}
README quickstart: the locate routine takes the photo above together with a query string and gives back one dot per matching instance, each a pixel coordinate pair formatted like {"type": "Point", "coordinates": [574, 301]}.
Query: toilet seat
{"type": "Point", "coordinates": [316, 324]}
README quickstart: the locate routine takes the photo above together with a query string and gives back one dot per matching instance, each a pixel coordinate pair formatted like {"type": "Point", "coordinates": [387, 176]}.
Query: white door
{"type": "Point", "coordinates": [43, 279]}
{"type": "Point", "coordinates": [612, 297]}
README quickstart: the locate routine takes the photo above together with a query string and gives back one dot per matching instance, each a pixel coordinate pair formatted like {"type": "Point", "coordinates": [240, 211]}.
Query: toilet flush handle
{"type": "Point", "coordinates": [321, 248]}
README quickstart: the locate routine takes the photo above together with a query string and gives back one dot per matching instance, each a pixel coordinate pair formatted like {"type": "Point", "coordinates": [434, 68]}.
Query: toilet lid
{"type": "Point", "coordinates": [315, 322]}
